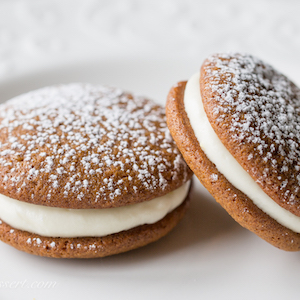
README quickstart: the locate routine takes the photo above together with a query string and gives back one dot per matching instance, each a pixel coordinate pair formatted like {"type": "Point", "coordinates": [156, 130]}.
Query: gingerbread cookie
{"type": "Point", "coordinates": [237, 125]}
{"type": "Point", "coordinates": [87, 171]}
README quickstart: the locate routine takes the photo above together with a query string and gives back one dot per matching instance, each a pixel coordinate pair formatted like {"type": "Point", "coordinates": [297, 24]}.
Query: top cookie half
{"type": "Point", "coordinates": [255, 111]}
{"type": "Point", "coordinates": [86, 146]}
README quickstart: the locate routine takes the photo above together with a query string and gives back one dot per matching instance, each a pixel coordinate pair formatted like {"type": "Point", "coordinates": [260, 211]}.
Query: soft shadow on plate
{"type": "Point", "coordinates": [204, 221]}
{"type": "Point", "coordinates": [204, 229]}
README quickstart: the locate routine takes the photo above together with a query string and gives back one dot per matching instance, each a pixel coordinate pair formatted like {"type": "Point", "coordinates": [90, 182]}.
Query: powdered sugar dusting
{"type": "Point", "coordinates": [214, 177]}
{"type": "Point", "coordinates": [79, 135]}
{"type": "Point", "coordinates": [261, 109]}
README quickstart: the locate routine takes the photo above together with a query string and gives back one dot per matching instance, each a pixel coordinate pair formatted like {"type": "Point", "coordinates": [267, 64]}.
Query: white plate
{"type": "Point", "coordinates": [207, 256]}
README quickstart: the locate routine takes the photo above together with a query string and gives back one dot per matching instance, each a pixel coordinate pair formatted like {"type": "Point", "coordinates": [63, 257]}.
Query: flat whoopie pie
{"type": "Point", "coordinates": [237, 124]}
{"type": "Point", "coordinates": [87, 171]}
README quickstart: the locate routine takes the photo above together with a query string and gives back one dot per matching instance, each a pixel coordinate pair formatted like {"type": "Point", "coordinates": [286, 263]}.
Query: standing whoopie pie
{"type": "Point", "coordinates": [87, 171]}
{"type": "Point", "coordinates": [237, 124]}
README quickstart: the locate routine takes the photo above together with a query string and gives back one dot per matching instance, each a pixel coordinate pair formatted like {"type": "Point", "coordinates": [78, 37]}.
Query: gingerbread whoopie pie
{"type": "Point", "coordinates": [87, 171]}
{"type": "Point", "coordinates": [237, 124]}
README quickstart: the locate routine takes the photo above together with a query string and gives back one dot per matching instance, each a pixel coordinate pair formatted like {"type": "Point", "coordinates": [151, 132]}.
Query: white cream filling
{"type": "Point", "coordinates": [226, 163]}
{"type": "Point", "coordinates": [61, 222]}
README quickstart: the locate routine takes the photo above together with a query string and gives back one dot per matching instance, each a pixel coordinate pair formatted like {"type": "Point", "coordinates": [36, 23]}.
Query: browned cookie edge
{"type": "Point", "coordinates": [237, 204]}
{"type": "Point", "coordinates": [92, 247]}
{"type": "Point", "coordinates": [243, 100]}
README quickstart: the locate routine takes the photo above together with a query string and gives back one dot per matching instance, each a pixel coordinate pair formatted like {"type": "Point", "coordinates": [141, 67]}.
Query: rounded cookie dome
{"type": "Point", "coordinates": [255, 111]}
{"type": "Point", "coordinates": [86, 146]}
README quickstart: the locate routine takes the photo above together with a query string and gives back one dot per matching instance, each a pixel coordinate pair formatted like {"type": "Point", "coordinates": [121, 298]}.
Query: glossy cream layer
{"type": "Point", "coordinates": [226, 163]}
{"type": "Point", "coordinates": [61, 222]}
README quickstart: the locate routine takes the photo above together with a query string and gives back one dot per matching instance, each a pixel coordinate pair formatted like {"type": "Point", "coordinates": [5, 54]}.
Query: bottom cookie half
{"type": "Point", "coordinates": [92, 247]}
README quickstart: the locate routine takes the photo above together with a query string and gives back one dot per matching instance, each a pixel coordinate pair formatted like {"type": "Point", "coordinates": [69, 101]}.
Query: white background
{"type": "Point", "coordinates": [146, 47]}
